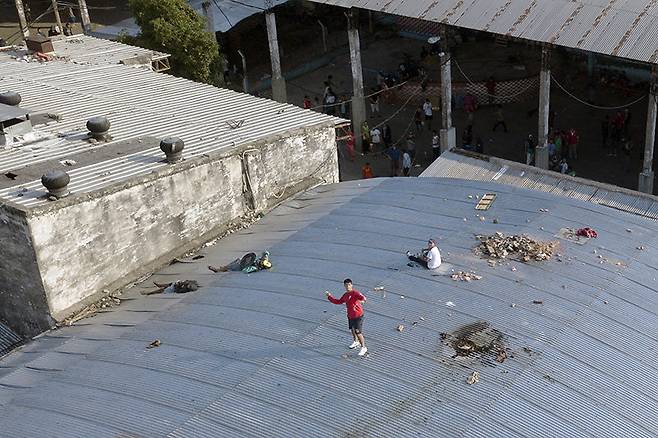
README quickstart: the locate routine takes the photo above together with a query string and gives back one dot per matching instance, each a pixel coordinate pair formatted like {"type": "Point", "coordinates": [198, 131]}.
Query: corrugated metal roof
{"type": "Point", "coordinates": [627, 29]}
{"type": "Point", "coordinates": [468, 166]}
{"type": "Point", "coordinates": [265, 354]}
{"type": "Point", "coordinates": [139, 103]}
{"type": "Point", "coordinates": [85, 49]}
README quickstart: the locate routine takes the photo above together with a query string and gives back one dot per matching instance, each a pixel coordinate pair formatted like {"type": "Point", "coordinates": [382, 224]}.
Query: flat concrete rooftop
{"type": "Point", "coordinates": [266, 355]}
{"type": "Point", "coordinates": [142, 106]}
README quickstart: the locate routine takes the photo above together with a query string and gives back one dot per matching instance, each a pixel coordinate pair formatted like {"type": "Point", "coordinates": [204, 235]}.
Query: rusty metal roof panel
{"type": "Point", "coordinates": [611, 27]}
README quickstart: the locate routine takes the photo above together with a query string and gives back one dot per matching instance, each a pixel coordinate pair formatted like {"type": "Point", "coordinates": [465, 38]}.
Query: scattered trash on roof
{"type": "Point", "coordinates": [400, 327]}
{"type": "Point", "coordinates": [473, 378]}
{"type": "Point", "coordinates": [543, 210]}
{"type": "Point", "coordinates": [513, 305]}
{"type": "Point", "coordinates": [537, 302]}
{"type": "Point", "coordinates": [378, 288]}
{"type": "Point", "coordinates": [628, 230]}
{"type": "Point", "coordinates": [521, 247]}
{"type": "Point", "coordinates": [587, 232]}
{"type": "Point", "coordinates": [107, 301]}
{"type": "Point", "coordinates": [154, 344]}
{"type": "Point", "coordinates": [465, 276]}
{"type": "Point", "coordinates": [571, 234]}
{"type": "Point", "coordinates": [450, 304]}
{"type": "Point", "coordinates": [486, 202]}
{"type": "Point", "coordinates": [641, 248]}
{"type": "Point", "coordinates": [68, 162]}
{"type": "Point", "coordinates": [177, 287]}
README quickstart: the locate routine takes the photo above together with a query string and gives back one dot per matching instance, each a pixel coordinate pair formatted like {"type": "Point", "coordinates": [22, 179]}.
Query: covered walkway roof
{"type": "Point", "coordinates": [265, 354]}
{"type": "Point", "coordinates": [621, 28]}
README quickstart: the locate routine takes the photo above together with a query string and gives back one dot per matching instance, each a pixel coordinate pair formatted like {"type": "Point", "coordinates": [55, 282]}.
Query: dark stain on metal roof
{"type": "Point", "coordinates": [498, 13]}
{"type": "Point", "coordinates": [630, 30]}
{"type": "Point", "coordinates": [566, 24]}
{"type": "Point", "coordinates": [596, 22]}
{"type": "Point", "coordinates": [526, 12]}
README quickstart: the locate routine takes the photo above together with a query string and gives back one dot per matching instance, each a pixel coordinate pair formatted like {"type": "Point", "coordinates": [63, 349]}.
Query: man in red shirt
{"type": "Point", "coordinates": [353, 300]}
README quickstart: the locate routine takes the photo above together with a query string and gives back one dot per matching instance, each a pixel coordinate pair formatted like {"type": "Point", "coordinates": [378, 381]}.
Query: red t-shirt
{"type": "Point", "coordinates": [352, 301]}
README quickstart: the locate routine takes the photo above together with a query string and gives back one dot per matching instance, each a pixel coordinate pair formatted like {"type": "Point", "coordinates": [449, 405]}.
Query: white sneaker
{"type": "Point", "coordinates": [354, 344]}
{"type": "Point", "coordinates": [363, 351]}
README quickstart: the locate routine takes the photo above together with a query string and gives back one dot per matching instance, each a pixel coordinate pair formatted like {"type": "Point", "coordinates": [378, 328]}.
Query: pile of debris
{"type": "Point", "coordinates": [521, 247]}
{"type": "Point", "coordinates": [465, 276]}
{"type": "Point", "coordinates": [107, 301]}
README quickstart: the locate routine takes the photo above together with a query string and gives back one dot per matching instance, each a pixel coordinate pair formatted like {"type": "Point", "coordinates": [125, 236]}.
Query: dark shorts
{"type": "Point", "coordinates": [356, 324]}
{"type": "Point", "coordinates": [428, 117]}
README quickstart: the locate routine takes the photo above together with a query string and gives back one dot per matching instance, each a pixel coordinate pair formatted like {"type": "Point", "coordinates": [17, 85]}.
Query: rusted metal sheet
{"type": "Point", "coordinates": [626, 29]}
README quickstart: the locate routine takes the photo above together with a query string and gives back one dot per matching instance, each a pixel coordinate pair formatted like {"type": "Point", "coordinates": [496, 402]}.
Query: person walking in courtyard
{"type": "Point", "coordinates": [375, 138]}
{"type": "Point", "coordinates": [430, 257]}
{"type": "Point", "coordinates": [429, 114]}
{"type": "Point", "coordinates": [500, 119]}
{"type": "Point", "coordinates": [387, 134]}
{"type": "Point", "coordinates": [491, 89]}
{"type": "Point", "coordinates": [406, 163]}
{"type": "Point", "coordinates": [411, 146]}
{"type": "Point", "coordinates": [572, 144]}
{"type": "Point", "coordinates": [394, 155]}
{"type": "Point", "coordinates": [353, 300]}
{"type": "Point", "coordinates": [436, 145]}
{"type": "Point", "coordinates": [349, 144]}
{"type": "Point", "coordinates": [418, 119]}
{"type": "Point", "coordinates": [374, 103]}
{"type": "Point", "coordinates": [365, 138]}
{"type": "Point", "coordinates": [366, 171]}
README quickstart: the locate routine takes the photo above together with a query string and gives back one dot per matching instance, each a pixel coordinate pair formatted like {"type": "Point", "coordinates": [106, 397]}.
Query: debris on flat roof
{"type": "Point", "coordinates": [520, 247]}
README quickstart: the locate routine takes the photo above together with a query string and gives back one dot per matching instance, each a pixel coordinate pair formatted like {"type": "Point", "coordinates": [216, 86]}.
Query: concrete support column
{"type": "Point", "coordinates": [58, 19]}
{"type": "Point", "coordinates": [22, 21]}
{"type": "Point", "coordinates": [447, 135]}
{"type": "Point", "coordinates": [541, 151]}
{"type": "Point", "coordinates": [210, 18]}
{"type": "Point", "coordinates": [278, 82]}
{"type": "Point", "coordinates": [84, 16]}
{"type": "Point", "coordinates": [358, 100]}
{"type": "Point", "coordinates": [645, 183]}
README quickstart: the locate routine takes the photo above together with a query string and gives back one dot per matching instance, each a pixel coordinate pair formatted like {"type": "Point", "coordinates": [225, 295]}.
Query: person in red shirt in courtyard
{"type": "Point", "coordinates": [353, 300]}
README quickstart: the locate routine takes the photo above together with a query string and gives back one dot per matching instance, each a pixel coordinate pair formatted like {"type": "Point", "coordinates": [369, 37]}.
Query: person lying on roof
{"type": "Point", "coordinates": [248, 263]}
{"type": "Point", "coordinates": [429, 257]}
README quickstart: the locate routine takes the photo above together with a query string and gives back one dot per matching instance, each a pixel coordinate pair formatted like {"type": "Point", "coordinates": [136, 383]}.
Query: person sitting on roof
{"type": "Point", "coordinates": [430, 257]}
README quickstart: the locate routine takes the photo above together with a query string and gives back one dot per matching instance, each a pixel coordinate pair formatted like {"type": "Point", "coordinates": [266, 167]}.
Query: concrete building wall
{"type": "Point", "coordinates": [105, 239]}
{"type": "Point", "coordinates": [22, 297]}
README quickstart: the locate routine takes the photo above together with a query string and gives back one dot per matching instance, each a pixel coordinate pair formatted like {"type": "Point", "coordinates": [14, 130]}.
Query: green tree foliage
{"type": "Point", "coordinates": [173, 27]}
